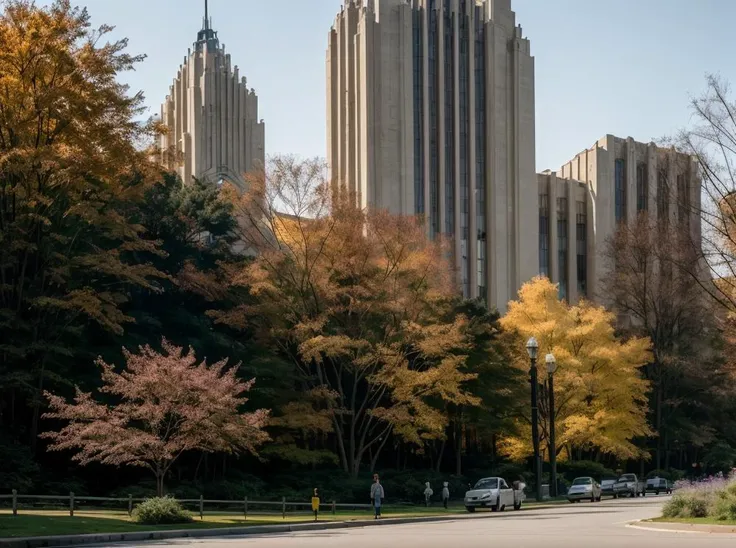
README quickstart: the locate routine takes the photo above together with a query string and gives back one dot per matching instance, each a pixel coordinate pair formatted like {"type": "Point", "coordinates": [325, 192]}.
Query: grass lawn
{"type": "Point", "coordinates": [697, 521]}
{"type": "Point", "coordinates": [37, 522]}
{"type": "Point", "coordinates": [46, 523]}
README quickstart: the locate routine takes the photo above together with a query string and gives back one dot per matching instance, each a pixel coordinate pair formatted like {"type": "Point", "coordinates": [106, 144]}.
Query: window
{"type": "Point", "coordinates": [434, 218]}
{"type": "Point", "coordinates": [683, 198]}
{"type": "Point", "coordinates": [581, 245]}
{"type": "Point", "coordinates": [480, 149]}
{"type": "Point", "coordinates": [620, 196]}
{"type": "Point", "coordinates": [663, 196]}
{"type": "Point", "coordinates": [449, 122]}
{"type": "Point", "coordinates": [642, 187]}
{"type": "Point", "coordinates": [562, 246]}
{"type": "Point", "coordinates": [544, 235]}
{"type": "Point", "coordinates": [463, 167]}
{"type": "Point", "coordinates": [418, 46]}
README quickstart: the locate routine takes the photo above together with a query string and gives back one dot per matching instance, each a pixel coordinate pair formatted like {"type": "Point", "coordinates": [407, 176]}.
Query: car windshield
{"type": "Point", "coordinates": [608, 481]}
{"type": "Point", "coordinates": [582, 481]}
{"type": "Point", "coordinates": [487, 484]}
{"type": "Point", "coordinates": [627, 477]}
{"type": "Point", "coordinates": [653, 481]}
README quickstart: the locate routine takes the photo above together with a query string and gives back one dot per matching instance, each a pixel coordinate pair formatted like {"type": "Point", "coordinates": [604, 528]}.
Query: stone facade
{"type": "Point", "coordinates": [430, 111]}
{"type": "Point", "coordinates": [611, 182]}
{"type": "Point", "coordinates": [212, 117]}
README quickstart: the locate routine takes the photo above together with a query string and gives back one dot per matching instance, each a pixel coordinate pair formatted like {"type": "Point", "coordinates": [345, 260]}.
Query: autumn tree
{"type": "Point", "coordinates": [357, 302]}
{"type": "Point", "coordinates": [498, 384]}
{"type": "Point", "coordinates": [71, 158]}
{"type": "Point", "coordinates": [167, 404]}
{"type": "Point", "coordinates": [711, 139]}
{"type": "Point", "coordinates": [654, 298]}
{"type": "Point", "coordinates": [600, 395]}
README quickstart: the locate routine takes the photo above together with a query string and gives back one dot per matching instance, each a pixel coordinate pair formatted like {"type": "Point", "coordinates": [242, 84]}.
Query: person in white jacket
{"type": "Point", "coordinates": [427, 494]}
{"type": "Point", "coordinates": [445, 494]}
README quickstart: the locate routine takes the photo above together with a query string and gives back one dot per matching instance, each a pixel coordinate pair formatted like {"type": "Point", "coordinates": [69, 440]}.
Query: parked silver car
{"type": "Point", "coordinates": [585, 488]}
{"type": "Point", "coordinates": [493, 493]}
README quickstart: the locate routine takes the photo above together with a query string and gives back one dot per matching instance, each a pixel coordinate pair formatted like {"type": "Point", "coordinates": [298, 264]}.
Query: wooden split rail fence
{"type": "Point", "coordinates": [255, 507]}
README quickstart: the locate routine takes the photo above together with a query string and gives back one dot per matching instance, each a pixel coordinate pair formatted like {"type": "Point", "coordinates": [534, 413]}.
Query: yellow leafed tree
{"type": "Point", "coordinates": [600, 395]}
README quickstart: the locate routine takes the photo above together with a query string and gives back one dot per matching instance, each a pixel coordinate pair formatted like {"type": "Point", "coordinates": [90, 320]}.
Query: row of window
{"type": "Point", "coordinates": [642, 192]}
{"type": "Point", "coordinates": [445, 55]}
{"type": "Point", "coordinates": [581, 252]}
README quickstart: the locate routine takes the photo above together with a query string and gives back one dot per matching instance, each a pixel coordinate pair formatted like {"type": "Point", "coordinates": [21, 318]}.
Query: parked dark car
{"type": "Point", "coordinates": [659, 485]}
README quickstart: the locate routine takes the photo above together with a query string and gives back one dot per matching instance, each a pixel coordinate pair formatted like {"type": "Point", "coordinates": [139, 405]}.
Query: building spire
{"type": "Point", "coordinates": [206, 15]}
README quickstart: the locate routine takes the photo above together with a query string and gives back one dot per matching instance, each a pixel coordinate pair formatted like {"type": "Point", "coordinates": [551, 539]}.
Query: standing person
{"type": "Point", "coordinates": [315, 503]}
{"type": "Point", "coordinates": [428, 494]}
{"type": "Point", "coordinates": [445, 494]}
{"type": "Point", "coordinates": [377, 495]}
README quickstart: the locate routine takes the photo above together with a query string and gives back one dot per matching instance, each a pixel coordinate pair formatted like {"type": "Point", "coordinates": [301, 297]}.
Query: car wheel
{"type": "Point", "coordinates": [656, 493]}
{"type": "Point", "coordinates": [643, 493]}
{"type": "Point", "coordinates": [615, 496]}
{"type": "Point", "coordinates": [496, 507]}
{"type": "Point", "coordinates": [592, 499]}
{"type": "Point", "coordinates": [470, 509]}
{"type": "Point", "coordinates": [517, 506]}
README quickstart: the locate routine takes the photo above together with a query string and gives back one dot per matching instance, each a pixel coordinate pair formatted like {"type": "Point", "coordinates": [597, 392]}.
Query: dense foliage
{"type": "Point", "coordinates": [349, 321]}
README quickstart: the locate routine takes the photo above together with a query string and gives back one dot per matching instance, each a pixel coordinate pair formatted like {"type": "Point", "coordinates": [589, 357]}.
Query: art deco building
{"type": "Point", "coordinates": [609, 183]}
{"type": "Point", "coordinates": [430, 107]}
{"type": "Point", "coordinates": [212, 116]}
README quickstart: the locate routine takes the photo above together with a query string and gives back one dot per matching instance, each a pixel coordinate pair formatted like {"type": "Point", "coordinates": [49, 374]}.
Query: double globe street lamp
{"type": "Point", "coordinates": [551, 368]}
{"type": "Point", "coordinates": [532, 348]}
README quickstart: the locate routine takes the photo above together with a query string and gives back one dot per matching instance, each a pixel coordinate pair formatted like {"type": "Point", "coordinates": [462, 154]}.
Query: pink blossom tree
{"type": "Point", "coordinates": [167, 404]}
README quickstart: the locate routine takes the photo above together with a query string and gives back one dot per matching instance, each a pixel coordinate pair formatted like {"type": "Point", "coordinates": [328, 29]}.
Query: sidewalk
{"type": "Point", "coordinates": [684, 527]}
{"type": "Point", "coordinates": [106, 538]}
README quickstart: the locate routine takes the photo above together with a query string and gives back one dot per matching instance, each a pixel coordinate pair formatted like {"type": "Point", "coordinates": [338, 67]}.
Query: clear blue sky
{"type": "Point", "coordinates": [626, 67]}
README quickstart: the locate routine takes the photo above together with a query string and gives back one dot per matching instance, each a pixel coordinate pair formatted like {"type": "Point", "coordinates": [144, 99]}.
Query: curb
{"type": "Point", "coordinates": [695, 528]}
{"type": "Point", "coordinates": [99, 538]}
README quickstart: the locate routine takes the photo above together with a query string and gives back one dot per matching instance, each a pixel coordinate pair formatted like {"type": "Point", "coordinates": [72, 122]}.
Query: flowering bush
{"type": "Point", "coordinates": [714, 496]}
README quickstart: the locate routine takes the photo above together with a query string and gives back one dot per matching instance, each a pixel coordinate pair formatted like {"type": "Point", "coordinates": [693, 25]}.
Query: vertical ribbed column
{"type": "Point", "coordinates": [473, 229]}
{"type": "Point", "coordinates": [441, 134]}
{"type": "Point", "coordinates": [461, 256]}
{"type": "Point", "coordinates": [426, 128]}
{"type": "Point", "coordinates": [572, 243]}
{"type": "Point", "coordinates": [554, 275]}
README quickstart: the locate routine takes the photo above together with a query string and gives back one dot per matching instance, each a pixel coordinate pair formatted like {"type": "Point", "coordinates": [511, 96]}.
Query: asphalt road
{"type": "Point", "coordinates": [599, 525]}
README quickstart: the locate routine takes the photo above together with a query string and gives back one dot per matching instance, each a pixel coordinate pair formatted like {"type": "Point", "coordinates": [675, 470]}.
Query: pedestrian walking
{"type": "Point", "coordinates": [445, 494]}
{"type": "Point", "coordinates": [427, 494]}
{"type": "Point", "coordinates": [315, 503]}
{"type": "Point", "coordinates": [377, 495]}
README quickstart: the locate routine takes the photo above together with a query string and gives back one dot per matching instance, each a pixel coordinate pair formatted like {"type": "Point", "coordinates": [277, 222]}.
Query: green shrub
{"type": "Point", "coordinates": [160, 510]}
{"type": "Point", "coordinates": [687, 504]}
{"type": "Point", "coordinates": [724, 506]}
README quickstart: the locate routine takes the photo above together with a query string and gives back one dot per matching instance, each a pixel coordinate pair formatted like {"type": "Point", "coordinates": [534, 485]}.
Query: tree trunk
{"type": "Point", "coordinates": [458, 450]}
{"type": "Point", "coordinates": [441, 454]}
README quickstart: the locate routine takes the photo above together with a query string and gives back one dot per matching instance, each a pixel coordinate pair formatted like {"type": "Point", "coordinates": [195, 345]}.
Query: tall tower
{"type": "Point", "coordinates": [431, 112]}
{"type": "Point", "coordinates": [212, 116]}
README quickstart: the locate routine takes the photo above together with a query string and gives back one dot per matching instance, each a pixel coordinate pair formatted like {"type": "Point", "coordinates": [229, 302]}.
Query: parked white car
{"type": "Point", "coordinates": [493, 493]}
{"type": "Point", "coordinates": [585, 488]}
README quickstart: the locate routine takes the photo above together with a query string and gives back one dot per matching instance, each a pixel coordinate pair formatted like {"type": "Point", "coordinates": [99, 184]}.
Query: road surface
{"type": "Point", "coordinates": [599, 525]}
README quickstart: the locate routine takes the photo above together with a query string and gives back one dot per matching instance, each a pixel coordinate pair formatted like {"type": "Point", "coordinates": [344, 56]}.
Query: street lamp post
{"type": "Point", "coordinates": [551, 368]}
{"type": "Point", "coordinates": [532, 347]}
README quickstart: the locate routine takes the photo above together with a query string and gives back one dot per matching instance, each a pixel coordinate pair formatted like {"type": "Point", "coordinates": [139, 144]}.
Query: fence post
{"type": "Point", "coordinates": [15, 502]}
{"type": "Point", "coordinates": [334, 508]}
{"type": "Point", "coordinates": [71, 504]}
{"type": "Point", "coordinates": [201, 507]}
{"type": "Point", "coordinates": [245, 508]}
{"type": "Point", "coordinates": [283, 507]}
{"type": "Point", "coordinates": [130, 504]}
